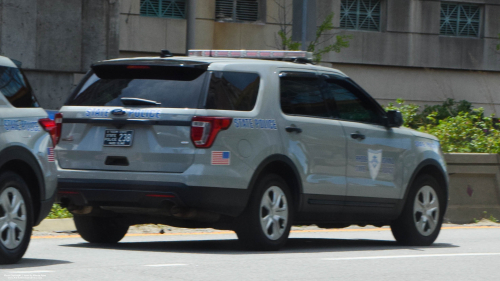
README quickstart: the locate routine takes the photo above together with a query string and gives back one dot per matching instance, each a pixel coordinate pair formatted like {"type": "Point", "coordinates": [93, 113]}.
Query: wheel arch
{"type": "Point", "coordinates": [22, 162]}
{"type": "Point", "coordinates": [283, 166]}
{"type": "Point", "coordinates": [429, 167]}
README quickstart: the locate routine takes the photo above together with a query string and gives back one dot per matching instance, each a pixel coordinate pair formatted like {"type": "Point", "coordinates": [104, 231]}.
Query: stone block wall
{"type": "Point", "coordinates": [474, 186]}
{"type": "Point", "coordinates": [56, 39]}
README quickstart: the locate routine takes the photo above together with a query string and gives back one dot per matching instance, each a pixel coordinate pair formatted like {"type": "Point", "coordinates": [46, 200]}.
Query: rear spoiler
{"type": "Point", "coordinates": [150, 69]}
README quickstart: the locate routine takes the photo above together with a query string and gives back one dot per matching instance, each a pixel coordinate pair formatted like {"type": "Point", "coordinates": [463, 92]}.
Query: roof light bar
{"type": "Point", "coordinates": [254, 54]}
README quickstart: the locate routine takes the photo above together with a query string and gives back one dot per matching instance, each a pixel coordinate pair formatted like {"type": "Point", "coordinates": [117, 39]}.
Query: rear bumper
{"type": "Point", "coordinates": [150, 194]}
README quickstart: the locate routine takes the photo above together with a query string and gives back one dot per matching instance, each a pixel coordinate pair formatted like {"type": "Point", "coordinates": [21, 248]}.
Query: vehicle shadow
{"type": "Point", "coordinates": [27, 262]}
{"type": "Point", "coordinates": [233, 247]}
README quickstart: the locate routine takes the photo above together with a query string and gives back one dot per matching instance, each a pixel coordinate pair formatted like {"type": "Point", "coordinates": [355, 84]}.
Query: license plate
{"type": "Point", "coordinates": [118, 137]}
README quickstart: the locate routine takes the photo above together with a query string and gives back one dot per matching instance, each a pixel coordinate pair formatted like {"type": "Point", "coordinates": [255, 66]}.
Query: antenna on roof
{"type": "Point", "coordinates": [165, 54]}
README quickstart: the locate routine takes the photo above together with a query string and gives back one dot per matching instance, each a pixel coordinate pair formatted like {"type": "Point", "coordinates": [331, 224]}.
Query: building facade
{"type": "Point", "coordinates": [423, 51]}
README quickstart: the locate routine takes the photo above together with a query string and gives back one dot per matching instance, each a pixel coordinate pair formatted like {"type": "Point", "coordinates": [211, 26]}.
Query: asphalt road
{"type": "Point", "coordinates": [460, 253]}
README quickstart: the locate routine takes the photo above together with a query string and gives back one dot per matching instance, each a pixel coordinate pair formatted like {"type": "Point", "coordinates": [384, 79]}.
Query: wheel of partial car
{"type": "Point", "coordinates": [420, 222]}
{"type": "Point", "coordinates": [16, 217]}
{"type": "Point", "coordinates": [266, 223]}
{"type": "Point", "coordinates": [99, 229]}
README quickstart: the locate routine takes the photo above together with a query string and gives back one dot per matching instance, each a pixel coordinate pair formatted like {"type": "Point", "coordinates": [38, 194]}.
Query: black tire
{"type": "Point", "coordinates": [248, 227]}
{"type": "Point", "coordinates": [99, 229]}
{"type": "Point", "coordinates": [11, 251]}
{"type": "Point", "coordinates": [405, 228]}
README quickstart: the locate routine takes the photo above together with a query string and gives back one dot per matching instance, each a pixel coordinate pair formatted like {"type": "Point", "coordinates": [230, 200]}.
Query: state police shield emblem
{"type": "Point", "coordinates": [374, 162]}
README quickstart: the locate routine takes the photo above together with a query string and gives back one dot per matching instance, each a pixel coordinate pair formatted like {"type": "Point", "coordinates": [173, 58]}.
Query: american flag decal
{"type": "Point", "coordinates": [221, 157]}
{"type": "Point", "coordinates": [50, 154]}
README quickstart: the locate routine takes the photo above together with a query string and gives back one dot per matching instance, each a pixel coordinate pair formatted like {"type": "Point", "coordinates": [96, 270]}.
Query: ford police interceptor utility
{"type": "Point", "coordinates": [28, 173]}
{"type": "Point", "coordinates": [252, 141]}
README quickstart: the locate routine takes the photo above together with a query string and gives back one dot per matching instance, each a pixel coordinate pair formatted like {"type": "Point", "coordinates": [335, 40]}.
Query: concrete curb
{"type": "Point", "coordinates": [56, 225]}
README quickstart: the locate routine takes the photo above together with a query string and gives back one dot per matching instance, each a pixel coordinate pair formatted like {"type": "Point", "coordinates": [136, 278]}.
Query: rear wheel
{"type": "Point", "coordinates": [265, 224]}
{"type": "Point", "coordinates": [16, 217]}
{"type": "Point", "coordinates": [99, 229]}
{"type": "Point", "coordinates": [422, 216]}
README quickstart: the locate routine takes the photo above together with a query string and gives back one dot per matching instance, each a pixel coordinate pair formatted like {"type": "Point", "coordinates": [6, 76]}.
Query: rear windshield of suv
{"type": "Point", "coordinates": [209, 89]}
{"type": "Point", "coordinates": [14, 86]}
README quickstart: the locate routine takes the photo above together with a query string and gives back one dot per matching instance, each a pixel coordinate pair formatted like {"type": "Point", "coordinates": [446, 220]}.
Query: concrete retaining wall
{"type": "Point", "coordinates": [474, 186]}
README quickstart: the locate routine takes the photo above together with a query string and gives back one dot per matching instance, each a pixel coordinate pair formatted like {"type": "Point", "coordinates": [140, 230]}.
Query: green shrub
{"type": "Point", "coordinates": [58, 212]}
{"type": "Point", "coordinates": [458, 127]}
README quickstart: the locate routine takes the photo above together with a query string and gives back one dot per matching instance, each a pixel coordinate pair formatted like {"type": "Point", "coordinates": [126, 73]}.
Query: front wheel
{"type": "Point", "coordinates": [265, 224]}
{"type": "Point", "coordinates": [420, 222]}
{"type": "Point", "coordinates": [16, 217]}
{"type": "Point", "coordinates": [99, 229]}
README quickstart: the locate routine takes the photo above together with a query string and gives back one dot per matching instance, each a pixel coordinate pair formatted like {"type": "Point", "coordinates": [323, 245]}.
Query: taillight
{"type": "Point", "coordinates": [204, 130]}
{"type": "Point", "coordinates": [53, 127]}
{"type": "Point", "coordinates": [58, 118]}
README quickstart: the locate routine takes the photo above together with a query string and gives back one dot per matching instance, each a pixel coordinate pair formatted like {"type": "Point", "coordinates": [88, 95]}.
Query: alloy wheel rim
{"type": "Point", "coordinates": [274, 213]}
{"type": "Point", "coordinates": [426, 210]}
{"type": "Point", "coordinates": [12, 218]}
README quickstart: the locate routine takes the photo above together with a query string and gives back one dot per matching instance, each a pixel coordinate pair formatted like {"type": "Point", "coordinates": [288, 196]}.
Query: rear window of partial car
{"type": "Point", "coordinates": [15, 87]}
{"type": "Point", "coordinates": [172, 88]}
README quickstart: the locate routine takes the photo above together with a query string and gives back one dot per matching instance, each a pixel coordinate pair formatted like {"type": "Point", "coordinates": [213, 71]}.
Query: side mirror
{"type": "Point", "coordinates": [394, 119]}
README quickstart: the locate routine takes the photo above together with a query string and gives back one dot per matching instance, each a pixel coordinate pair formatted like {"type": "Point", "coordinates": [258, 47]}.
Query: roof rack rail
{"type": "Point", "coordinates": [294, 56]}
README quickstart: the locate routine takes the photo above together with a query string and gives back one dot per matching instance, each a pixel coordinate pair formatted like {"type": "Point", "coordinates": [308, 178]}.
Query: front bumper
{"type": "Point", "coordinates": [151, 194]}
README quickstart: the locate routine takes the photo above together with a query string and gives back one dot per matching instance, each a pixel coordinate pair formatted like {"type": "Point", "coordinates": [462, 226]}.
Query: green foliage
{"type": "Point", "coordinates": [411, 116]}
{"type": "Point", "coordinates": [466, 132]}
{"type": "Point", "coordinates": [415, 117]}
{"type": "Point", "coordinates": [458, 127]}
{"type": "Point", "coordinates": [57, 212]}
{"type": "Point", "coordinates": [341, 41]}
{"type": "Point", "coordinates": [449, 108]}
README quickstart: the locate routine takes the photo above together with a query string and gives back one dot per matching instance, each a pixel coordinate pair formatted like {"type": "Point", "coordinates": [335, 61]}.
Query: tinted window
{"type": "Point", "coordinates": [14, 86]}
{"type": "Point", "coordinates": [348, 103]}
{"type": "Point", "coordinates": [232, 91]}
{"type": "Point", "coordinates": [301, 95]}
{"type": "Point", "coordinates": [170, 93]}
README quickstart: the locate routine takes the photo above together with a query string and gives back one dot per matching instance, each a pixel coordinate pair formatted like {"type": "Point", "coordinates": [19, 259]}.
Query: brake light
{"type": "Point", "coordinates": [204, 130]}
{"type": "Point", "coordinates": [138, 67]}
{"type": "Point", "coordinates": [53, 127]}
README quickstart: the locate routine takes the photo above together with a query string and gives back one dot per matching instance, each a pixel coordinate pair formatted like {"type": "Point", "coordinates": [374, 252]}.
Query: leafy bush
{"type": "Point", "coordinates": [58, 212]}
{"type": "Point", "coordinates": [414, 117]}
{"type": "Point", "coordinates": [458, 127]}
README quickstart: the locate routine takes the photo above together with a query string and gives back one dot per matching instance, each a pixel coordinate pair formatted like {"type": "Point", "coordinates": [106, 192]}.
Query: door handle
{"type": "Point", "coordinates": [358, 136]}
{"type": "Point", "coordinates": [293, 129]}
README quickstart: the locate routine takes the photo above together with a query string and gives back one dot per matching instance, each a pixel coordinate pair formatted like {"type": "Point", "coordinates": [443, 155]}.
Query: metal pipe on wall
{"type": "Point", "coordinates": [191, 24]}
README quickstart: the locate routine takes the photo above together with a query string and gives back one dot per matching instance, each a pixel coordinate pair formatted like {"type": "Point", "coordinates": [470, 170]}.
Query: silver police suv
{"type": "Point", "coordinates": [252, 141]}
{"type": "Point", "coordinates": [28, 173]}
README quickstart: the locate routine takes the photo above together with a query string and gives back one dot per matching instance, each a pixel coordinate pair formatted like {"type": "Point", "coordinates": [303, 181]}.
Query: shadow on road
{"type": "Point", "coordinates": [26, 263]}
{"type": "Point", "coordinates": [294, 245]}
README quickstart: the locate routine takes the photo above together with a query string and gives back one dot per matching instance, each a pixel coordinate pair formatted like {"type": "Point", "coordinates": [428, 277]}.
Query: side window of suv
{"type": "Point", "coordinates": [348, 102]}
{"type": "Point", "coordinates": [14, 87]}
{"type": "Point", "coordinates": [232, 91]}
{"type": "Point", "coordinates": [300, 94]}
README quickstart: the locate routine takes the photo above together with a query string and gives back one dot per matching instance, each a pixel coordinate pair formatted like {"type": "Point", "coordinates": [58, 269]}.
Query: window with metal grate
{"type": "Point", "coordinates": [360, 14]}
{"type": "Point", "coordinates": [237, 10]}
{"type": "Point", "coordinates": [460, 19]}
{"type": "Point", "coordinates": [164, 8]}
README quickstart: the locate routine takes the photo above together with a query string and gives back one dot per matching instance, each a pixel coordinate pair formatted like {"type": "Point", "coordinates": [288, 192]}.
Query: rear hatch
{"type": "Point", "coordinates": [133, 115]}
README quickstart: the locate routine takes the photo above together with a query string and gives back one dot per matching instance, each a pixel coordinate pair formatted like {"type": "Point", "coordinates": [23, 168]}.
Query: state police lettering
{"type": "Point", "coordinates": [20, 125]}
{"type": "Point", "coordinates": [131, 113]}
{"type": "Point", "coordinates": [249, 123]}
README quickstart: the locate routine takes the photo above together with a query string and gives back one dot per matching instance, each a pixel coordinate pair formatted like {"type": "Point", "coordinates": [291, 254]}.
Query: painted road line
{"type": "Point", "coordinates": [169, 264]}
{"type": "Point", "coordinates": [293, 231]}
{"type": "Point", "coordinates": [413, 256]}
{"type": "Point", "coordinates": [28, 272]}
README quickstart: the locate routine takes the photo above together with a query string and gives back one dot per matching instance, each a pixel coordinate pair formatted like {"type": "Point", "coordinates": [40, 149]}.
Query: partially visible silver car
{"type": "Point", "coordinates": [28, 173]}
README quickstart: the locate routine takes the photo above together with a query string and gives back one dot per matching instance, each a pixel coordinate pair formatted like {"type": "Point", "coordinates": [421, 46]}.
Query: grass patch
{"type": "Point", "coordinates": [58, 212]}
